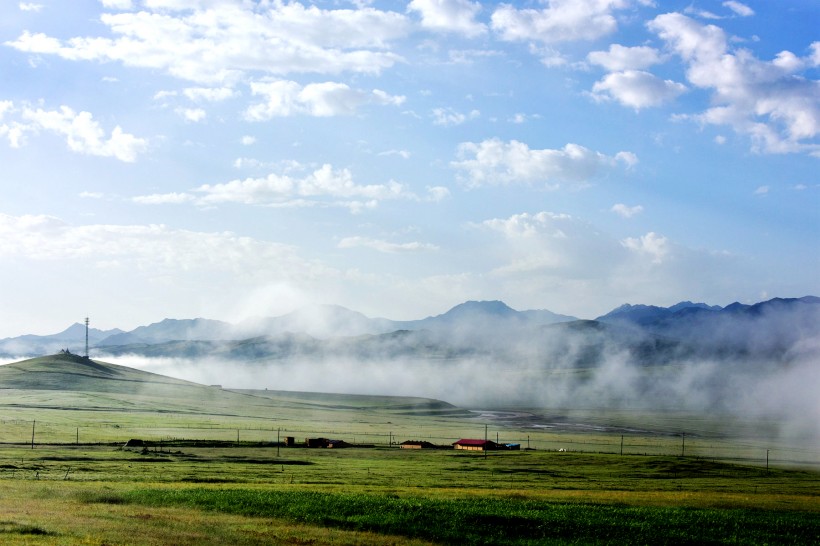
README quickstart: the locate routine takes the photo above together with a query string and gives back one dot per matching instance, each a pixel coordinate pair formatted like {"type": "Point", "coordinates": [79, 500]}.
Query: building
{"type": "Point", "coordinates": [416, 444]}
{"type": "Point", "coordinates": [475, 445]}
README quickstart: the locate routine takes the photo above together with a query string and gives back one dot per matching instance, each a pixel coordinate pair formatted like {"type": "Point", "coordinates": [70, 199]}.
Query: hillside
{"type": "Point", "coordinates": [69, 381]}
{"type": "Point", "coordinates": [70, 372]}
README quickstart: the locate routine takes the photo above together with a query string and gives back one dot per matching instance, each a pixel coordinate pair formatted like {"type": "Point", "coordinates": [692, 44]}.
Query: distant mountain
{"type": "Point", "coordinates": [776, 330]}
{"type": "Point", "coordinates": [72, 338]}
{"type": "Point", "coordinates": [648, 314]}
{"type": "Point", "coordinates": [768, 329]}
{"type": "Point", "coordinates": [321, 321]}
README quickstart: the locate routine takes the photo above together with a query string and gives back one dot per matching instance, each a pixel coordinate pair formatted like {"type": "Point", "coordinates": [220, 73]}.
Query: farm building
{"type": "Point", "coordinates": [415, 444]}
{"type": "Point", "coordinates": [324, 442]}
{"type": "Point", "coordinates": [475, 445]}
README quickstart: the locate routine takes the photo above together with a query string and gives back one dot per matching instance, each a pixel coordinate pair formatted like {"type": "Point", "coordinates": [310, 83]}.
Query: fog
{"type": "Point", "coordinates": [785, 394]}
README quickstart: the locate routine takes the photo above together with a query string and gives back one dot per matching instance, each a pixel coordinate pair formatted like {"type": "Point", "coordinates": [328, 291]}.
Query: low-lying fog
{"type": "Point", "coordinates": [788, 394]}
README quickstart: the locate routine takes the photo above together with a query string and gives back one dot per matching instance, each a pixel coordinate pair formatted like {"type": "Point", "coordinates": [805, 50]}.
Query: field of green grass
{"type": "Point", "coordinates": [212, 471]}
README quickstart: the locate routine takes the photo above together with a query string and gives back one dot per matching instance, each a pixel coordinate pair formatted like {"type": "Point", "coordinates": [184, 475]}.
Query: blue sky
{"type": "Point", "coordinates": [231, 158]}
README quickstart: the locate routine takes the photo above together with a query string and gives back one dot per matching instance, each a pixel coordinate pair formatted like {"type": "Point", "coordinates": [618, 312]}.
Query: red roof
{"type": "Point", "coordinates": [470, 442]}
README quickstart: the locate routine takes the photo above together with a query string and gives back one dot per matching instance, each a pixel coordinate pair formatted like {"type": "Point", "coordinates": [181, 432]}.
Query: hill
{"type": "Point", "coordinates": [69, 381]}
{"type": "Point", "coordinates": [66, 372]}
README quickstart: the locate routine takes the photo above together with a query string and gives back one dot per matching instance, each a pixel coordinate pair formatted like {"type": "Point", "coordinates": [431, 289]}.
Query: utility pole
{"type": "Point", "coordinates": [277, 441]}
{"type": "Point", "coordinates": [622, 444]}
{"type": "Point", "coordinates": [86, 337]}
{"type": "Point", "coordinates": [683, 445]}
{"type": "Point", "coordinates": [32, 433]}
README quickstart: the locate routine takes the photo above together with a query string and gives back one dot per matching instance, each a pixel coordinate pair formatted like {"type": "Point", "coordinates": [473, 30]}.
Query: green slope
{"type": "Point", "coordinates": [69, 372]}
{"type": "Point", "coordinates": [73, 382]}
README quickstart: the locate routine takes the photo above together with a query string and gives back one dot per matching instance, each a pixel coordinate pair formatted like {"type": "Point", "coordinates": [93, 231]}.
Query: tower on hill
{"type": "Point", "coordinates": [86, 337]}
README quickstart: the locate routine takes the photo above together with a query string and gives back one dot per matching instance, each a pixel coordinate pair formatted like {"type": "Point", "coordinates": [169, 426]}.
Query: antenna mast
{"type": "Point", "coordinates": [86, 337]}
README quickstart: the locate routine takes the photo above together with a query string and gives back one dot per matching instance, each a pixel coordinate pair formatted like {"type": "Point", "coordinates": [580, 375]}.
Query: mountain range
{"type": "Point", "coordinates": [777, 330]}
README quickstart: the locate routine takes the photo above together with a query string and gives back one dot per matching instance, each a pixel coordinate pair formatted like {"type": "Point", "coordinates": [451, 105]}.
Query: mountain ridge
{"type": "Point", "coordinates": [476, 329]}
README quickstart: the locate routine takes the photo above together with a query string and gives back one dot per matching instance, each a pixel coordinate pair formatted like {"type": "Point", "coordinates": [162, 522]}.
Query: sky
{"type": "Point", "coordinates": [230, 159]}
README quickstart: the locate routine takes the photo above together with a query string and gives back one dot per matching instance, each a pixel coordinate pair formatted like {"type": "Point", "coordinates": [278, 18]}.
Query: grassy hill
{"type": "Point", "coordinates": [64, 391]}
{"type": "Point", "coordinates": [70, 372]}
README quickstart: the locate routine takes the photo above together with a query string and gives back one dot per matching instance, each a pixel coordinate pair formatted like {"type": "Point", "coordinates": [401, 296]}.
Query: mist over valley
{"type": "Point", "coordinates": [757, 361]}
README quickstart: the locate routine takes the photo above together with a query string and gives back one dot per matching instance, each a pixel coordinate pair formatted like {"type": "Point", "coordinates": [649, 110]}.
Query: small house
{"type": "Point", "coordinates": [416, 444]}
{"type": "Point", "coordinates": [475, 445]}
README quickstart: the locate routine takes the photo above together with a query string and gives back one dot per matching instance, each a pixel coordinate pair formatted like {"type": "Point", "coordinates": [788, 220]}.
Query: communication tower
{"type": "Point", "coordinates": [86, 337]}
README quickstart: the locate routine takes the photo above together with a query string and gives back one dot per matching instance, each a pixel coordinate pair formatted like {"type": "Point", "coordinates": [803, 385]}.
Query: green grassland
{"type": "Point", "coordinates": [212, 471]}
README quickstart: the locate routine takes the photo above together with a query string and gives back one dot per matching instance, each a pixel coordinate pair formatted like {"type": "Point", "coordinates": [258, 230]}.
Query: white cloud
{"type": "Point", "coordinates": [619, 58]}
{"type": "Point", "coordinates": [324, 186]}
{"type": "Point", "coordinates": [655, 246]}
{"type": "Point", "coordinates": [560, 21]}
{"type": "Point", "coordinates": [30, 6]}
{"type": "Point", "coordinates": [762, 190]}
{"type": "Point", "coordinates": [117, 4]}
{"type": "Point", "coordinates": [740, 9]}
{"type": "Point", "coordinates": [325, 181]}
{"type": "Point", "coordinates": [193, 115]}
{"type": "Point", "coordinates": [548, 244]}
{"type": "Point", "coordinates": [770, 101]}
{"type": "Point", "coordinates": [152, 248]}
{"type": "Point", "coordinates": [209, 94]}
{"type": "Point", "coordinates": [163, 199]}
{"type": "Point", "coordinates": [494, 162]}
{"type": "Point", "coordinates": [288, 98]}
{"type": "Point", "coordinates": [448, 117]}
{"type": "Point", "coordinates": [248, 140]}
{"type": "Point", "coordinates": [222, 42]}
{"type": "Point", "coordinates": [82, 133]}
{"type": "Point", "coordinates": [636, 89]}
{"type": "Point", "coordinates": [626, 211]}
{"type": "Point", "coordinates": [404, 154]}
{"type": "Point", "coordinates": [457, 16]}
{"type": "Point", "coordinates": [384, 246]}
{"type": "Point", "coordinates": [437, 193]}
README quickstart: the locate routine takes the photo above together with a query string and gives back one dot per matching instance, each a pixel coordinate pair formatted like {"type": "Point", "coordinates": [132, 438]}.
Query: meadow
{"type": "Point", "coordinates": [212, 472]}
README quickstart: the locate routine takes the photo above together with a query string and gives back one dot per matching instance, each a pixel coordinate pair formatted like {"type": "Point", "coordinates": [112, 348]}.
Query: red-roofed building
{"type": "Point", "coordinates": [475, 445]}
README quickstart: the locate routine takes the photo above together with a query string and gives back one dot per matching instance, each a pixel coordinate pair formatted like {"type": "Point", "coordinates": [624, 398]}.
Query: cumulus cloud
{"type": "Point", "coordinates": [494, 162]}
{"type": "Point", "coordinates": [325, 186]}
{"type": "Point", "coordinates": [655, 246]}
{"type": "Point", "coordinates": [209, 94]}
{"type": "Point", "coordinates": [770, 101]}
{"type": "Point", "coordinates": [222, 42]}
{"type": "Point", "coordinates": [117, 4]}
{"type": "Point", "coordinates": [636, 89]}
{"type": "Point", "coordinates": [456, 16]}
{"type": "Point", "coordinates": [194, 115]}
{"type": "Point", "coordinates": [83, 134]}
{"type": "Point", "coordinates": [625, 211]}
{"type": "Point", "coordinates": [448, 117]}
{"type": "Point", "coordinates": [560, 21]}
{"type": "Point", "coordinates": [619, 58]}
{"type": "Point", "coordinates": [287, 98]}
{"type": "Point", "coordinates": [548, 243]}
{"type": "Point", "coordinates": [385, 246]}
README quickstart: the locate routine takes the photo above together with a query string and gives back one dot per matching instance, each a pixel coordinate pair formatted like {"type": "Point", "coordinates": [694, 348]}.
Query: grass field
{"type": "Point", "coordinates": [212, 472]}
